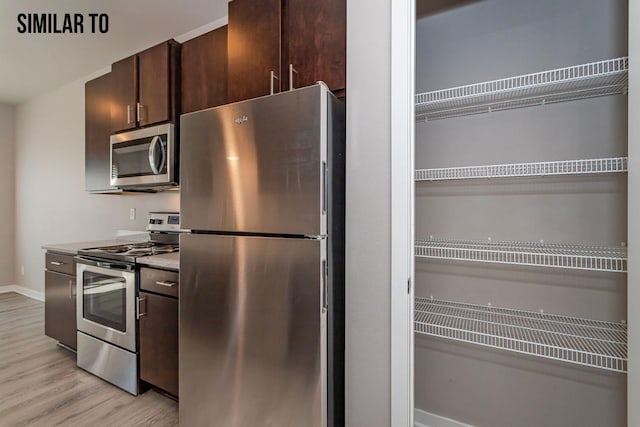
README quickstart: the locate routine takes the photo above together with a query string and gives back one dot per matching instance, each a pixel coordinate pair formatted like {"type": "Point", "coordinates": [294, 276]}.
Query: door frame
{"type": "Point", "coordinates": [633, 225]}
{"type": "Point", "coordinates": [402, 210]}
{"type": "Point", "coordinates": [402, 213]}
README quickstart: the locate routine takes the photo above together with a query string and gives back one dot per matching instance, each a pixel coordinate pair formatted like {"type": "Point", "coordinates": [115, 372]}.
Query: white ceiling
{"type": "Point", "coordinates": [31, 64]}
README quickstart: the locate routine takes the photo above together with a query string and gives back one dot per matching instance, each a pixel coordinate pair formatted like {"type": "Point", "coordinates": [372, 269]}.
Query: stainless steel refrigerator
{"type": "Point", "coordinates": [262, 270]}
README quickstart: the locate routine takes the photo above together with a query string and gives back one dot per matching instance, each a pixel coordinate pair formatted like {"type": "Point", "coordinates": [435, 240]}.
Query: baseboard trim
{"type": "Point", "coordinates": [425, 419]}
{"type": "Point", "coordinates": [29, 293]}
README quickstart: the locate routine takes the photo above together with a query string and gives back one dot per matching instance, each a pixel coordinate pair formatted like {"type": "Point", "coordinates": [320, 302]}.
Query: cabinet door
{"type": "Point", "coordinates": [159, 341]}
{"type": "Point", "coordinates": [154, 81]}
{"type": "Point", "coordinates": [316, 43]}
{"type": "Point", "coordinates": [60, 308]}
{"type": "Point", "coordinates": [97, 126]}
{"type": "Point", "coordinates": [254, 48]}
{"type": "Point", "coordinates": [204, 71]}
{"type": "Point", "coordinates": [123, 92]}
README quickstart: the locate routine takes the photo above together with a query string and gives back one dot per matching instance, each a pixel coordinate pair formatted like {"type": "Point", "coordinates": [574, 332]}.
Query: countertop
{"type": "Point", "coordinates": [73, 248]}
{"type": "Point", "coordinates": [169, 261]}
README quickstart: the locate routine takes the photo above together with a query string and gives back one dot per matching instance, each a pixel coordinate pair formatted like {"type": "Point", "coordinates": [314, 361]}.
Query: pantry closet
{"type": "Point", "coordinates": [521, 197]}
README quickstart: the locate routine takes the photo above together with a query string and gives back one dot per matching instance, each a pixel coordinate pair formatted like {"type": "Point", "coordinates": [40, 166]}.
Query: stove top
{"type": "Point", "coordinates": [129, 252]}
{"type": "Point", "coordinates": [164, 231]}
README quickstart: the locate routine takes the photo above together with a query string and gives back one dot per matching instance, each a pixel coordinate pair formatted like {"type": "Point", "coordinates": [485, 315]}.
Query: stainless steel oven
{"type": "Point", "coordinates": [144, 157]}
{"type": "Point", "coordinates": [106, 301]}
{"type": "Point", "coordinates": [106, 298]}
{"type": "Point", "coordinates": [108, 306]}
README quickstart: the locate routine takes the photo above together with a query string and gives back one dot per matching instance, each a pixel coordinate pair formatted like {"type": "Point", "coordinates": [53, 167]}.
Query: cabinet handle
{"type": "Point", "coordinates": [139, 313]}
{"type": "Point", "coordinates": [291, 71]}
{"type": "Point", "coordinates": [139, 111]}
{"type": "Point", "coordinates": [58, 263]}
{"type": "Point", "coordinates": [167, 284]}
{"type": "Point", "coordinates": [128, 114]}
{"type": "Point", "coordinates": [71, 288]}
{"type": "Point", "coordinates": [272, 78]}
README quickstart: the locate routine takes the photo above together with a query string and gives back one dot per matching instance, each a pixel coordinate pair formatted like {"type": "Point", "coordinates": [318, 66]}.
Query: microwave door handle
{"type": "Point", "coordinates": [152, 154]}
{"type": "Point", "coordinates": [163, 152]}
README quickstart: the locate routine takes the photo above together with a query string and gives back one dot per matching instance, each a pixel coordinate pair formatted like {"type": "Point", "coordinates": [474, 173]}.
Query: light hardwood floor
{"type": "Point", "coordinates": [40, 384]}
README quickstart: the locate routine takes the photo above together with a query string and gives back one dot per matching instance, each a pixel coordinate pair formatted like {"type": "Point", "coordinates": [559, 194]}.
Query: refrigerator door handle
{"type": "Point", "coordinates": [325, 286]}
{"type": "Point", "coordinates": [325, 187]}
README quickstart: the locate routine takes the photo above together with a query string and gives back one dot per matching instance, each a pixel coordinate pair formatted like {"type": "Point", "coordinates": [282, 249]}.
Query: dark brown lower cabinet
{"type": "Point", "coordinates": [60, 308]}
{"type": "Point", "coordinates": [159, 341]}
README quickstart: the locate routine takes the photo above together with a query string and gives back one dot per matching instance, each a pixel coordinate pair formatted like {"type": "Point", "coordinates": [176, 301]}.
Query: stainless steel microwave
{"type": "Point", "coordinates": [144, 158]}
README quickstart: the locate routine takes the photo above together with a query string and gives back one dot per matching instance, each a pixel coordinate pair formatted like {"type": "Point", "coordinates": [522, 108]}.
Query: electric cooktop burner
{"type": "Point", "coordinates": [164, 231]}
{"type": "Point", "coordinates": [129, 252]}
{"type": "Point", "coordinates": [155, 250]}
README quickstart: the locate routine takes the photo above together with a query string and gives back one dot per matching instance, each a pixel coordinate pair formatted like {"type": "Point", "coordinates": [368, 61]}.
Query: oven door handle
{"type": "Point", "coordinates": [105, 264]}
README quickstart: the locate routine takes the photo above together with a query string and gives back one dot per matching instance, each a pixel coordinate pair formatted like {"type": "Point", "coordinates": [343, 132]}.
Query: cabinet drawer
{"type": "Point", "coordinates": [60, 263]}
{"type": "Point", "coordinates": [159, 281]}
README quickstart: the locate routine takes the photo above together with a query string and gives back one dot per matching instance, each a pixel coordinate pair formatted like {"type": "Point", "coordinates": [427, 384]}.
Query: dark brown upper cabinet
{"type": "Point", "coordinates": [277, 45]}
{"type": "Point", "coordinates": [124, 88]}
{"type": "Point", "coordinates": [145, 87]}
{"type": "Point", "coordinates": [315, 43]}
{"type": "Point", "coordinates": [254, 48]}
{"type": "Point", "coordinates": [204, 71]}
{"type": "Point", "coordinates": [97, 102]}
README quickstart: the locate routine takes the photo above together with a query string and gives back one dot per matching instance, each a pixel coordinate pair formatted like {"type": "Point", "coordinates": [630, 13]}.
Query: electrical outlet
{"type": "Point", "coordinates": [132, 214]}
{"type": "Point", "coordinates": [22, 270]}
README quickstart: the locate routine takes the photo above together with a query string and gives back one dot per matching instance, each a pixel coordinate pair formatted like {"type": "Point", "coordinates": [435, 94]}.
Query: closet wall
{"type": "Point", "coordinates": [488, 40]}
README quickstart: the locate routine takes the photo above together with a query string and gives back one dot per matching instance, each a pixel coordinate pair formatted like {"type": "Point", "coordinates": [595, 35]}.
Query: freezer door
{"type": "Point", "coordinates": [252, 332]}
{"type": "Point", "coordinates": [256, 166]}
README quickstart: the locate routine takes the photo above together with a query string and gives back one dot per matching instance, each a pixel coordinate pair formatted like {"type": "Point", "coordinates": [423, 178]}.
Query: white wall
{"type": "Point", "coordinates": [368, 217]}
{"type": "Point", "coordinates": [51, 203]}
{"type": "Point", "coordinates": [7, 257]}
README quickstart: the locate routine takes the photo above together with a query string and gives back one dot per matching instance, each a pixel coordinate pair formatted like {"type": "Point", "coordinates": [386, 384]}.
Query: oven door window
{"type": "Point", "coordinates": [141, 157]}
{"type": "Point", "coordinates": [104, 300]}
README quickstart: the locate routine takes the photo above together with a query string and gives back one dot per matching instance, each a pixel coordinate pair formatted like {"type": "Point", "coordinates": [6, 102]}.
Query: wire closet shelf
{"type": "Point", "coordinates": [557, 255]}
{"type": "Point", "coordinates": [608, 77]}
{"type": "Point", "coordinates": [561, 167]}
{"type": "Point", "coordinates": [587, 342]}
